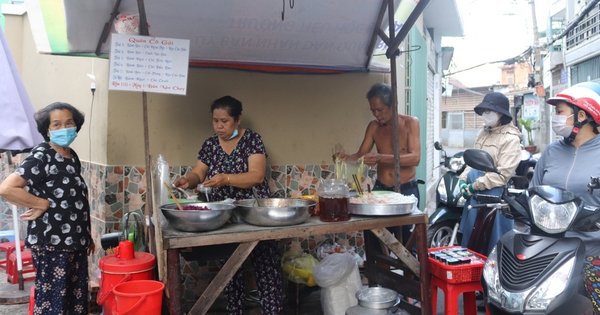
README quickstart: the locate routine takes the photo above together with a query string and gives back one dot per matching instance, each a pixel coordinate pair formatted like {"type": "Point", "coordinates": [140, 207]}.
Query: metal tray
{"type": "Point", "coordinates": [381, 209]}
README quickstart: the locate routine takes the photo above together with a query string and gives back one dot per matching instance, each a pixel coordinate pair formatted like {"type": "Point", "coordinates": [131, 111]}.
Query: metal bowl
{"type": "Point", "coordinates": [376, 297]}
{"type": "Point", "coordinates": [274, 211]}
{"type": "Point", "coordinates": [198, 220]}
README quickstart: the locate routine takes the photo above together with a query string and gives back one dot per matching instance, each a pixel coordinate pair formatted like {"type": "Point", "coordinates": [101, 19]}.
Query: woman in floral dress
{"type": "Point", "coordinates": [50, 184]}
{"type": "Point", "coordinates": [232, 162]}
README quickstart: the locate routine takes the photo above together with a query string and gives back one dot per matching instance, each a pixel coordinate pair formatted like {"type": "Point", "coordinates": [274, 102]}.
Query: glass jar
{"type": "Point", "coordinates": [333, 200]}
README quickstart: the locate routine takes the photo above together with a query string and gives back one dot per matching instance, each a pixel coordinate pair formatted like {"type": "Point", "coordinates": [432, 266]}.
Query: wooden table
{"type": "Point", "coordinates": [377, 265]}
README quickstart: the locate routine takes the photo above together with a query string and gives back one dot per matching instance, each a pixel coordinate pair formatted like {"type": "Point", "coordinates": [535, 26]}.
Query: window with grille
{"type": "Point", "coordinates": [455, 120]}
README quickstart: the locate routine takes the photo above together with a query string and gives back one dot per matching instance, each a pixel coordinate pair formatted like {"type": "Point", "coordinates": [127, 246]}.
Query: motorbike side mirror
{"type": "Point", "coordinates": [593, 184]}
{"type": "Point", "coordinates": [438, 146]}
{"type": "Point", "coordinates": [480, 160]}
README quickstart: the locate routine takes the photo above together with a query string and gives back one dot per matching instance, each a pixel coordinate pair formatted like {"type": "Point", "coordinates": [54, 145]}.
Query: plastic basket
{"type": "Point", "coordinates": [456, 274]}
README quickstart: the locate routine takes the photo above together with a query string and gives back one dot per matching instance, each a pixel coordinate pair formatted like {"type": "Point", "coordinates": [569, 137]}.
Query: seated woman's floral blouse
{"type": "Point", "coordinates": [49, 175]}
{"type": "Point", "coordinates": [220, 162]}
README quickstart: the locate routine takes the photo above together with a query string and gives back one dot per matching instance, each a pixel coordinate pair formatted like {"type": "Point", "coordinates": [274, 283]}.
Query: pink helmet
{"type": "Point", "coordinates": [584, 95]}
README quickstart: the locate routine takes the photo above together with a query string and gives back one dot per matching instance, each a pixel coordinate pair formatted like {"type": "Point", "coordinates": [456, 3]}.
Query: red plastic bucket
{"type": "Point", "coordinates": [143, 297]}
{"type": "Point", "coordinates": [122, 268]}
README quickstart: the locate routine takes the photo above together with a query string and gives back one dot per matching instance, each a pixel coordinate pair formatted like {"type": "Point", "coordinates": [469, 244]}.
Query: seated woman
{"type": "Point", "coordinates": [232, 162]}
{"type": "Point", "coordinates": [501, 139]}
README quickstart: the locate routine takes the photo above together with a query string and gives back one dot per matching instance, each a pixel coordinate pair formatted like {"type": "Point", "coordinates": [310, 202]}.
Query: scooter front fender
{"type": "Point", "coordinates": [444, 213]}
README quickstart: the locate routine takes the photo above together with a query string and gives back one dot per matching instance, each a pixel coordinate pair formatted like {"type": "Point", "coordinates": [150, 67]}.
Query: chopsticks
{"type": "Point", "coordinates": [358, 185]}
{"type": "Point", "coordinates": [173, 196]}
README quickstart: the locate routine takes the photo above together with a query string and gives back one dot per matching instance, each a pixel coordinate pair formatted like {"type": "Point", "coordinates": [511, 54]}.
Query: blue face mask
{"type": "Point", "coordinates": [235, 133]}
{"type": "Point", "coordinates": [63, 137]}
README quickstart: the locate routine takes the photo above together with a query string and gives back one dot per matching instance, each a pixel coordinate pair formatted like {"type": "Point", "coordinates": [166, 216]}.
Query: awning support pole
{"type": "Point", "coordinates": [148, 208]}
{"type": "Point", "coordinates": [394, 86]}
{"type": "Point", "coordinates": [107, 26]}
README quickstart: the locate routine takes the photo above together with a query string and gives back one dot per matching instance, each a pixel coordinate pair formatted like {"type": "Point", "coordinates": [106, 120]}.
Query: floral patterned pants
{"type": "Point", "coordinates": [61, 281]}
{"type": "Point", "coordinates": [267, 271]}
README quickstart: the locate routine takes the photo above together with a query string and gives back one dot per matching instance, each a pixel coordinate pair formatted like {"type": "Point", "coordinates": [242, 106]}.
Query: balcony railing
{"type": "Point", "coordinates": [587, 29]}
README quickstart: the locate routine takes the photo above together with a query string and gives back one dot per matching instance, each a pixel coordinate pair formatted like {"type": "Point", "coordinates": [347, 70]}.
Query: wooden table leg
{"type": "Point", "coordinates": [424, 276]}
{"type": "Point", "coordinates": [174, 281]}
{"type": "Point", "coordinates": [213, 290]}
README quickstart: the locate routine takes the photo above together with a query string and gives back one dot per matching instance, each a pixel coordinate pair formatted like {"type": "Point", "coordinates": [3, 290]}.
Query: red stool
{"type": "Point", "coordinates": [451, 293]}
{"type": "Point", "coordinates": [31, 300]}
{"type": "Point", "coordinates": [12, 268]}
{"type": "Point", "coordinates": [9, 248]}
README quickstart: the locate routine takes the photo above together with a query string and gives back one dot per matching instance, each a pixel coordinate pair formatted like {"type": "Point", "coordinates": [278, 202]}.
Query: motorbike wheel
{"type": "Point", "coordinates": [439, 234]}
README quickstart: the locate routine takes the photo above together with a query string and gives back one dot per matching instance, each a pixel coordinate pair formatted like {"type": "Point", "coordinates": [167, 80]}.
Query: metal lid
{"type": "Point", "coordinates": [142, 262]}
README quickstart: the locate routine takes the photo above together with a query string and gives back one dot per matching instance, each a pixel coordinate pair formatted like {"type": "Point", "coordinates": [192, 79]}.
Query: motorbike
{"type": "Point", "coordinates": [537, 271]}
{"type": "Point", "coordinates": [524, 171]}
{"type": "Point", "coordinates": [449, 202]}
{"type": "Point", "coordinates": [444, 222]}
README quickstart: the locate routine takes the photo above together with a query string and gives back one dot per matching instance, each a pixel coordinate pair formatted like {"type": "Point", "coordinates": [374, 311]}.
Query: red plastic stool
{"type": "Point", "coordinates": [9, 248]}
{"type": "Point", "coordinates": [451, 293]}
{"type": "Point", "coordinates": [31, 300]}
{"type": "Point", "coordinates": [12, 268]}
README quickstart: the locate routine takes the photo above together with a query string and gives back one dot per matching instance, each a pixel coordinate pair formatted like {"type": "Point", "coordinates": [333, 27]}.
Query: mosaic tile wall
{"type": "Point", "coordinates": [116, 190]}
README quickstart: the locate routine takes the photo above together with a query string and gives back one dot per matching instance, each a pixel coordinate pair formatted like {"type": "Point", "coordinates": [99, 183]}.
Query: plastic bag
{"type": "Point", "coordinates": [345, 170]}
{"type": "Point", "coordinates": [299, 267]}
{"type": "Point", "coordinates": [162, 174]}
{"type": "Point", "coordinates": [333, 269]}
{"type": "Point", "coordinates": [327, 249]}
{"type": "Point", "coordinates": [339, 279]}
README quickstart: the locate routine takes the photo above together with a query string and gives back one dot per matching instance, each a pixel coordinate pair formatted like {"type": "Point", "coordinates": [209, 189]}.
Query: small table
{"type": "Point", "coordinates": [377, 266]}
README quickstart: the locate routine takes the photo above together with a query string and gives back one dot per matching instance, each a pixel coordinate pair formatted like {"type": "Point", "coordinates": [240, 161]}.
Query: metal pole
{"type": "Point", "coordinates": [539, 70]}
{"type": "Point", "coordinates": [394, 85]}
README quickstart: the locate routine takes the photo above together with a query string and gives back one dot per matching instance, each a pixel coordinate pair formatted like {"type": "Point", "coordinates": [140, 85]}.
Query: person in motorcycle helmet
{"type": "Point", "coordinates": [568, 163]}
{"type": "Point", "coordinates": [501, 139]}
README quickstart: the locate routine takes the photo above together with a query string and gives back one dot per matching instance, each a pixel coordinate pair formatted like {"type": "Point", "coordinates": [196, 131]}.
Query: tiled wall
{"type": "Point", "coordinates": [116, 190]}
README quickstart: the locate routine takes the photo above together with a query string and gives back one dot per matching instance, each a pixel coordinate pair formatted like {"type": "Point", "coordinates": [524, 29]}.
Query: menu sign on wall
{"type": "Point", "coordinates": [148, 64]}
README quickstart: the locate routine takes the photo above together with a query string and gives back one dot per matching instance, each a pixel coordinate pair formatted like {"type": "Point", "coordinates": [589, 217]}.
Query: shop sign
{"type": "Point", "coordinates": [149, 64]}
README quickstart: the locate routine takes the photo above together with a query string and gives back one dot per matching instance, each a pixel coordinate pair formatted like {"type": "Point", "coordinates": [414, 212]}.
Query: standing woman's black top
{"type": "Point", "coordinates": [66, 223]}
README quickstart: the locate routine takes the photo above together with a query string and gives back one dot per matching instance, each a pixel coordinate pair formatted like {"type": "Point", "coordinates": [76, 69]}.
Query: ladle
{"type": "Point", "coordinates": [205, 190]}
{"type": "Point", "coordinates": [256, 196]}
{"type": "Point", "coordinates": [187, 196]}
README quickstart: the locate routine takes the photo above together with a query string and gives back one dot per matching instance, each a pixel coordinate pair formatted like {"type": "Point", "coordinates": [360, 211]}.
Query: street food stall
{"type": "Point", "coordinates": [376, 268]}
{"type": "Point", "coordinates": [329, 38]}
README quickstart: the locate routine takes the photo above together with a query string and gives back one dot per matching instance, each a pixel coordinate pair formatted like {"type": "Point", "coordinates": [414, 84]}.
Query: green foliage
{"type": "Point", "coordinates": [528, 124]}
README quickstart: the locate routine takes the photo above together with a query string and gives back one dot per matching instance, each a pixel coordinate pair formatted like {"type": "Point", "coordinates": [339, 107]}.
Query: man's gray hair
{"type": "Point", "coordinates": [383, 92]}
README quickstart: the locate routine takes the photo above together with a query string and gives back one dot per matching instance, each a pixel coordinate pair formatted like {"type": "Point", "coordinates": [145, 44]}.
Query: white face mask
{"type": "Point", "coordinates": [559, 125]}
{"type": "Point", "coordinates": [490, 119]}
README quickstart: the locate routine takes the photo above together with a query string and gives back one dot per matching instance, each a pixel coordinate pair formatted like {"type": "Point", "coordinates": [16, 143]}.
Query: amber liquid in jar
{"type": "Point", "coordinates": [333, 209]}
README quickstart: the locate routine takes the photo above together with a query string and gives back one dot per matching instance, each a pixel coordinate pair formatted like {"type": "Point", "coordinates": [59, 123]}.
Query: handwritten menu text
{"type": "Point", "coordinates": [150, 64]}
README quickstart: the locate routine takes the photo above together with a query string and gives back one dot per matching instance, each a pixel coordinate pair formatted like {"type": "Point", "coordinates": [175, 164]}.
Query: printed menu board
{"type": "Point", "coordinates": [148, 64]}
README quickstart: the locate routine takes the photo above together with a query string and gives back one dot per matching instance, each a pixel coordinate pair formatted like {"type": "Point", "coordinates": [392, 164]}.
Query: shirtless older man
{"type": "Point", "coordinates": [379, 133]}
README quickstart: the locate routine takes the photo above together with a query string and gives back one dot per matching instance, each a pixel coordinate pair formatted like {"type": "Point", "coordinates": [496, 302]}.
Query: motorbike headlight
{"type": "Point", "coordinates": [460, 200]}
{"type": "Point", "coordinates": [553, 286]}
{"type": "Point", "coordinates": [456, 163]}
{"type": "Point", "coordinates": [552, 218]}
{"type": "Point", "coordinates": [441, 189]}
{"type": "Point", "coordinates": [490, 274]}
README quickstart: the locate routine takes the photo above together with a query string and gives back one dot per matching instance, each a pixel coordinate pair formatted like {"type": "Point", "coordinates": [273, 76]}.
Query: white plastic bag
{"type": "Point", "coordinates": [337, 275]}
{"type": "Point", "coordinates": [162, 174]}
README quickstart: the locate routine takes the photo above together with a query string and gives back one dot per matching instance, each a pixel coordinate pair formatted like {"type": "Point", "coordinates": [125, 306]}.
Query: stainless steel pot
{"type": "Point", "coordinates": [376, 297]}
{"type": "Point", "coordinates": [198, 220]}
{"type": "Point", "coordinates": [274, 211]}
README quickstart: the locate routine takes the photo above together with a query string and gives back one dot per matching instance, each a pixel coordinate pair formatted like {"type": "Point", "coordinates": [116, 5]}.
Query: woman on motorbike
{"type": "Point", "coordinates": [501, 139]}
{"type": "Point", "coordinates": [569, 163]}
